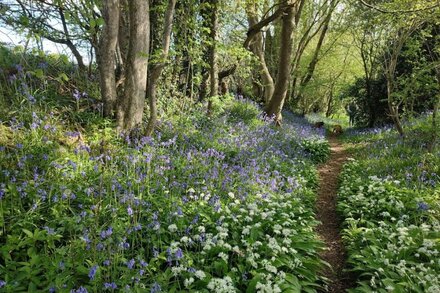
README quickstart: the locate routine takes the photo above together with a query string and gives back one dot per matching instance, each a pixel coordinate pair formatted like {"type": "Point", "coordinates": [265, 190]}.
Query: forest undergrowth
{"type": "Point", "coordinates": [222, 203]}
{"type": "Point", "coordinates": [390, 201]}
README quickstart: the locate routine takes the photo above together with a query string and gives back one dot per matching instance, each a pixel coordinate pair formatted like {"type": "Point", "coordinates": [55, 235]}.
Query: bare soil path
{"type": "Point", "coordinates": [326, 213]}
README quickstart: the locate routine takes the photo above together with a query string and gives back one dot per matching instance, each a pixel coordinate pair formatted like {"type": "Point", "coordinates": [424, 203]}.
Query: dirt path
{"type": "Point", "coordinates": [329, 228]}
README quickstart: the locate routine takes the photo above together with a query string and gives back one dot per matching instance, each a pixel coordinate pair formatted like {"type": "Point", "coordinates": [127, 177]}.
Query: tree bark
{"type": "Point", "coordinates": [255, 29]}
{"type": "Point", "coordinates": [276, 103]}
{"type": "Point", "coordinates": [107, 54]}
{"type": "Point", "coordinates": [213, 70]}
{"type": "Point", "coordinates": [390, 65]}
{"type": "Point", "coordinates": [257, 47]}
{"type": "Point", "coordinates": [158, 67]}
{"type": "Point", "coordinates": [368, 80]}
{"type": "Point", "coordinates": [131, 108]}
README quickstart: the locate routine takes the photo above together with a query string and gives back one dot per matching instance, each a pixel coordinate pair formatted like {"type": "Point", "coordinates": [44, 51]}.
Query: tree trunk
{"type": "Point", "coordinates": [257, 47]}
{"type": "Point", "coordinates": [131, 108]}
{"type": "Point", "coordinates": [276, 103]}
{"type": "Point", "coordinates": [435, 108]}
{"type": "Point", "coordinates": [329, 110]}
{"type": "Point", "coordinates": [394, 109]}
{"type": "Point", "coordinates": [371, 102]}
{"type": "Point", "coordinates": [390, 70]}
{"type": "Point", "coordinates": [213, 70]}
{"type": "Point", "coordinates": [157, 68]}
{"type": "Point", "coordinates": [312, 65]}
{"type": "Point", "coordinates": [107, 54]}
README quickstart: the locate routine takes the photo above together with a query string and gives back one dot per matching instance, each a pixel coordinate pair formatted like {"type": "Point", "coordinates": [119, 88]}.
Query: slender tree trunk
{"type": "Point", "coordinates": [203, 91]}
{"type": "Point", "coordinates": [275, 106]}
{"type": "Point", "coordinates": [107, 54]}
{"type": "Point", "coordinates": [371, 102]}
{"type": "Point", "coordinates": [158, 67]}
{"type": "Point", "coordinates": [435, 108]}
{"type": "Point", "coordinates": [131, 108]}
{"type": "Point", "coordinates": [213, 55]}
{"type": "Point", "coordinates": [312, 65]}
{"type": "Point", "coordinates": [390, 70]}
{"type": "Point", "coordinates": [329, 110]}
{"type": "Point", "coordinates": [394, 109]}
{"type": "Point", "coordinates": [257, 47]}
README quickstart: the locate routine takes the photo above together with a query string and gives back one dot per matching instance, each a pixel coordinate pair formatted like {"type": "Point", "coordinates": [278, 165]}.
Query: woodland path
{"type": "Point", "coordinates": [326, 213]}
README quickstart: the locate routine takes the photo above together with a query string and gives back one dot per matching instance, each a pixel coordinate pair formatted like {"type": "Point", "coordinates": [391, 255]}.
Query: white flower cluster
{"type": "Point", "coordinates": [224, 285]}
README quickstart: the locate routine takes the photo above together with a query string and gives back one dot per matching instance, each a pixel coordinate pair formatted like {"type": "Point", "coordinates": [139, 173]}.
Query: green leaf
{"type": "Point", "coordinates": [293, 281]}
{"type": "Point", "coordinates": [28, 233]}
{"type": "Point", "coordinates": [39, 73]}
{"type": "Point", "coordinates": [100, 21]}
{"type": "Point", "coordinates": [253, 284]}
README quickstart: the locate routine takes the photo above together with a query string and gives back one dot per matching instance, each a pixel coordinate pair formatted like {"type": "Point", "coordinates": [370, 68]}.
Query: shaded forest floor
{"type": "Point", "coordinates": [329, 229]}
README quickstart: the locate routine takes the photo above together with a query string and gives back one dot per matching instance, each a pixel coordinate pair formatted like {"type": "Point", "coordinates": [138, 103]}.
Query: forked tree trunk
{"type": "Point", "coordinates": [390, 70]}
{"type": "Point", "coordinates": [158, 67]}
{"type": "Point", "coordinates": [257, 47]}
{"type": "Point", "coordinates": [131, 107]}
{"type": "Point", "coordinates": [276, 103]}
{"type": "Point", "coordinates": [106, 57]}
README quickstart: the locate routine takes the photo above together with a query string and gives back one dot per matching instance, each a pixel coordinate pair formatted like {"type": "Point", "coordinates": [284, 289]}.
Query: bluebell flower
{"type": "Point", "coordinates": [111, 285]}
{"type": "Point", "coordinates": [106, 262]}
{"type": "Point", "coordinates": [155, 288]}
{"type": "Point", "coordinates": [79, 290]}
{"type": "Point", "coordinates": [42, 65]}
{"type": "Point", "coordinates": [130, 211]}
{"type": "Point", "coordinates": [92, 272]}
{"type": "Point", "coordinates": [130, 263]}
{"type": "Point", "coordinates": [49, 230]}
{"type": "Point", "coordinates": [2, 283]}
{"type": "Point", "coordinates": [106, 233]}
{"type": "Point", "coordinates": [422, 206]}
{"type": "Point", "coordinates": [155, 252]}
{"type": "Point", "coordinates": [179, 253]}
{"type": "Point", "coordinates": [76, 95]}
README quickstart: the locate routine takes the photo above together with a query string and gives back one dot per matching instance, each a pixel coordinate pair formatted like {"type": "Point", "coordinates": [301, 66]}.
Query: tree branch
{"type": "Point", "coordinates": [397, 11]}
{"type": "Point", "coordinates": [266, 21]}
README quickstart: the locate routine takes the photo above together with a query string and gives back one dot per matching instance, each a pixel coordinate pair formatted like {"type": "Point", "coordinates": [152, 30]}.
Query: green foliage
{"type": "Point", "coordinates": [245, 111]}
{"type": "Point", "coordinates": [45, 83]}
{"type": "Point", "coordinates": [319, 150]}
{"type": "Point", "coordinates": [370, 110]}
{"type": "Point", "coordinates": [210, 203]}
{"type": "Point", "coordinates": [389, 199]}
